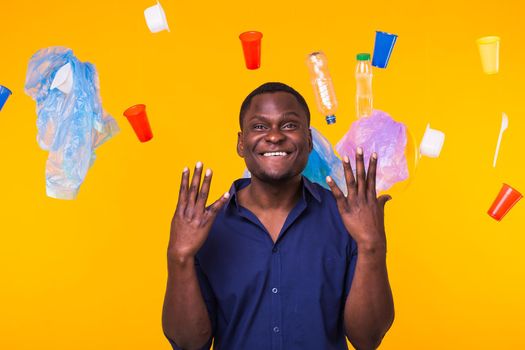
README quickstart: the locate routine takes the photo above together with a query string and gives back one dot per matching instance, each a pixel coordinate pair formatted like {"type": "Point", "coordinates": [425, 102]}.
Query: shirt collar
{"type": "Point", "coordinates": [307, 186]}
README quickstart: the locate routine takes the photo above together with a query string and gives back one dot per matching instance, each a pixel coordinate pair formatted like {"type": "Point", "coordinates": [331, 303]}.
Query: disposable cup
{"type": "Point", "coordinates": [251, 47]}
{"type": "Point", "coordinates": [138, 119]}
{"type": "Point", "coordinates": [4, 95]}
{"type": "Point", "coordinates": [63, 80]}
{"type": "Point", "coordinates": [489, 52]}
{"type": "Point", "coordinates": [384, 44]}
{"type": "Point", "coordinates": [505, 200]}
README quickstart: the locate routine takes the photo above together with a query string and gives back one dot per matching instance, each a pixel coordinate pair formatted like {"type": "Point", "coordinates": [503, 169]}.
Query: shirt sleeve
{"type": "Point", "coordinates": [352, 256]}
{"type": "Point", "coordinates": [211, 305]}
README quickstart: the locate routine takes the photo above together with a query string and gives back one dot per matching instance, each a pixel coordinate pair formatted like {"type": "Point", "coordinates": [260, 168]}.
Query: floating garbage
{"type": "Point", "coordinates": [506, 199]}
{"type": "Point", "coordinates": [363, 92]}
{"type": "Point", "coordinates": [4, 95]}
{"type": "Point", "coordinates": [323, 162]}
{"type": "Point", "coordinates": [381, 134]}
{"type": "Point", "coordinates": [323, 86]}
{"type": "Point", "coordinates": [63, 80]}
{"type": "Point", "coordinates": [489, 51]}
{"type": "Point", "coordinates": [251, 48]}
{"type": "Point", "coordinates": [71, 121]}
{"type": "Point", "coordinates": [504, 126]}
{"type": "Point", "coordinates": [383, 47]}
{"type": "Point", "coordinates": [432, 142]}
{"type": "Point", "coordinates": [138, 119]}
{"type": "Point", "coordinates": [156, 18]}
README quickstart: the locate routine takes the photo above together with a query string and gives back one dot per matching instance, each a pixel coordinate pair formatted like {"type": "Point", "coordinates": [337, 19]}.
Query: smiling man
{"type": "Point", "coordinates": [278, 262]}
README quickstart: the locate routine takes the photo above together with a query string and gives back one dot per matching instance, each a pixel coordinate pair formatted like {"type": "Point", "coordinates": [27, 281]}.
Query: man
{"type": "Point", "coordinates": [278, 262]}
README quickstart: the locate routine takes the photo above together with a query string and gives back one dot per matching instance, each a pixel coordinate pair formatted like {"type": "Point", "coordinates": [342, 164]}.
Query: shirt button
{"type": "Point", "coordinates": [274, 290]}
{"type": "Point", "coordinates": [275, 249]}
{"type": "Point", "coordinates": [276, 329]}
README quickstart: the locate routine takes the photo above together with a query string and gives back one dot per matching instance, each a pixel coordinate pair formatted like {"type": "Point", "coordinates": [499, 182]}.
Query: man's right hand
{"type": "Point", "coordinates": [192, 220]}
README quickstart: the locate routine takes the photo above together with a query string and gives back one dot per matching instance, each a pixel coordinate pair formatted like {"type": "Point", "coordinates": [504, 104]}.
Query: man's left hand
{"type": "Point", "coordinates": [361, 210]}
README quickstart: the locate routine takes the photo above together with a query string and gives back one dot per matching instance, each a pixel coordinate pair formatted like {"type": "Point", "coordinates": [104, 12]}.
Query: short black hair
{"type": "Point", "coordinates": [270, 88]}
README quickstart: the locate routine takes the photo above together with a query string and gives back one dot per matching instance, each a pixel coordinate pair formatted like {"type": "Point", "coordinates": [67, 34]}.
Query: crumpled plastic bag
{"type": "Point", "coordinates": [381, 134]}
{"type": "Point", "coordinates": [70, 126]}
{"type": "Point", "coordinates": [322, 162]}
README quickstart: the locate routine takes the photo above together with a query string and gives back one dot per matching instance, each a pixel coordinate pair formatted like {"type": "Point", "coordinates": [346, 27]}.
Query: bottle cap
{"type": "Point", "coordinates": [363, 56]}
{"type": "Point", "coordinates": [330, 119]}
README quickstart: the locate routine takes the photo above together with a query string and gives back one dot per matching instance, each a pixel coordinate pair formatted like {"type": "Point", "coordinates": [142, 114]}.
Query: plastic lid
{"type": "Point", "coordinates": [363, 56]}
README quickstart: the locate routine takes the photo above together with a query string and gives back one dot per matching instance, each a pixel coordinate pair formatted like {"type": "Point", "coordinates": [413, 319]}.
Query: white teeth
{"type": "Point", "coordinates": [274, 154]}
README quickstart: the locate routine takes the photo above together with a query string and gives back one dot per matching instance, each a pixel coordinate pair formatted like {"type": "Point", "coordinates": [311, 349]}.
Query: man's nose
{"type": "Point", "coordinates": [275, 135]}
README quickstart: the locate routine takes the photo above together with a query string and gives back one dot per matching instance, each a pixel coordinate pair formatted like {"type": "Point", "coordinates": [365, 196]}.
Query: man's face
{"type": "Point", "coordinates": [275, 140]}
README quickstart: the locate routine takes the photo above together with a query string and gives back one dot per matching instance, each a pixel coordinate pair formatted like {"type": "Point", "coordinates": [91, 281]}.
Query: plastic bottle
{"type": "Point", "coordinates": [363, 77]}
{"type": "Point", "coordinates": [323, 86]}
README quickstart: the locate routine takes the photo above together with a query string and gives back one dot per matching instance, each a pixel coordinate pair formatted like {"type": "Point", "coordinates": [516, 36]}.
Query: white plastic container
{"type": "Point", "coordinates": [156, 18]}
{"type": "Point", "coordinates": [432, 142]}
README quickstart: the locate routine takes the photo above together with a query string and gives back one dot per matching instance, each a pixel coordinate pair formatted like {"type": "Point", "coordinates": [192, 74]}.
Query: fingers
{"type": "Point", "coordinates": [183, 192]}
{"type": "Point", "coordinates": [349, 177]}
{"type": "Point", "coordinates": [382, 200]}
{"type": "Point", "coordinates": [371, 177]}
{"type": "Point", "coordinates": [360, 167]}
{"type": "Point", "coordinates": [194, 188]}
{"type": "Point", "coordinates": [217, 205]}
{"type": "Point", "coordinates": [338, 194]}
{"type": "Point", "coordinates": [205, 190]}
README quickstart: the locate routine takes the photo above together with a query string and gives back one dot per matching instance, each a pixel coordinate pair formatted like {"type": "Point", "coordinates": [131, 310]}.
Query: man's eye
{"type": "Point", "coordinates": [258, 126]}
{"type": "Point", "coordinates": [290, 126]}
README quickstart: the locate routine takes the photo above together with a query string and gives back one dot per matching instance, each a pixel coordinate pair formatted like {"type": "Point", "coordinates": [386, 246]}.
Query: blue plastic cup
{"type": "Point", "coordinates": [383, 48]}
{"type": "Point", "coordinates": [4, 94]}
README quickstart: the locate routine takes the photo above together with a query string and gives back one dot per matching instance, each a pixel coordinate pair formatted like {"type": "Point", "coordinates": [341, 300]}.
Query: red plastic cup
{"type": "Point", "coordinates": [251, 46]}
{"type": "Point", "coordinates": [138, 119]}
{"type": "Point", "coordinates": [505, 200]}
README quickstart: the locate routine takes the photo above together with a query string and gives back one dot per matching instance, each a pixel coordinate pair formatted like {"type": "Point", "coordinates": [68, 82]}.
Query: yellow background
{"type": "Point", "coordinates": [91, 273]}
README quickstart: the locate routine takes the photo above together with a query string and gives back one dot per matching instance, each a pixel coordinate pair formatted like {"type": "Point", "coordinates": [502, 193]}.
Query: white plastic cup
{"type": "Point", "coordinates": [489, 53]}
{"type": "Point", "coordinates": [156, 18]}
{"type": "Point", "coordinates": [63, 80]}
{"type": "Point", "coordinates": [432, 143]}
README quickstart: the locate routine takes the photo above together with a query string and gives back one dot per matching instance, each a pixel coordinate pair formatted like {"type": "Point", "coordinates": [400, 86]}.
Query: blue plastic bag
{"type": "Point", "coordinates": [323, 162]}
{"type": "Point", "coordinates": [70, 126]}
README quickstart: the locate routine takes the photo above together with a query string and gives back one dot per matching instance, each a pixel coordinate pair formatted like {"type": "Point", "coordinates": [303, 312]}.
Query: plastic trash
{"type": "Point", "coordinates": [251, 48]}
{"type": "Point", "coordinates": [381, 134]}
{"type": "Point", "coordinates": [4, 95]}
{"type": "Point", "coordinates": [383, 47]}
{"type": "Point", "coordinates": [63, 80]}
{"type": "Point", "coordinates": [363, 92]}
{"type": "Point", "coordinates": [504, 126]}
{"type": "Point", "coordinates": [432, 142]}
{"type": "Point", "coordinates": [489, 52]}
{"type": "Point", "coordinates": [156, 18]}
{"type": "Point", "coordinates": [70, 126]}
{"type": "Point", "coordinates": [138, 119]}
{"type": "Point", "coordinates": [323, 162]}
{"type": "Point", "coordinates": [506, 199]}
{"type": "Point", "coordinates": [323, 87]}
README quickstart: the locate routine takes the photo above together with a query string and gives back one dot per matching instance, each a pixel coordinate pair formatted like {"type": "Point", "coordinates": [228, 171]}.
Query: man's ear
{"type": "Point", "coordinates": [310, 139]}
{"type": "Point", "coordinates": [240, 145]}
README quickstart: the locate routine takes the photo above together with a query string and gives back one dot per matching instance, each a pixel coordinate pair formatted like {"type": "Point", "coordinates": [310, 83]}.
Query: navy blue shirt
{"type": "Point", "coordinates": [285, 295]}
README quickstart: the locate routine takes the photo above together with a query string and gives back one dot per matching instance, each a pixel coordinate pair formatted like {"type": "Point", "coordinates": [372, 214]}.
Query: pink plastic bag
{"type": "Point", "coordinates": [381, 134]}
